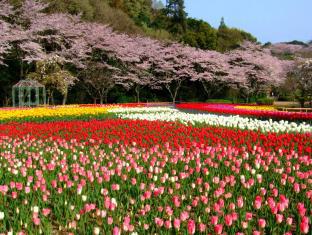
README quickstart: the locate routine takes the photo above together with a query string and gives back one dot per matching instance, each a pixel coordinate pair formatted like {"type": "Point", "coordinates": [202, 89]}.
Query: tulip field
{"type": "Point", "coordinates": [133, 169]}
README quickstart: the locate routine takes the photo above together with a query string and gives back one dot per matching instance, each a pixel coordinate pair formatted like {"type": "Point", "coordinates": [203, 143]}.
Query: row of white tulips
{"type": "Point", "coordinates": [171, 114]}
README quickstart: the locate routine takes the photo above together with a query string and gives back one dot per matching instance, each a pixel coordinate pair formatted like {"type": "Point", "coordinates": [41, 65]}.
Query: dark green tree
{"type": "Point", "coordinates": [175, 10]}
{"type": "Point", "coordinates": [222, 24]}
{"type": "Point", "coordinates": [200, 34]}
{"type": "Point", "coordinates": [231, 38]}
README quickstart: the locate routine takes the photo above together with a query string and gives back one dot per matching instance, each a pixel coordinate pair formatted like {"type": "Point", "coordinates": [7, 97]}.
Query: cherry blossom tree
{"type": "Point", "coordinates": [9, 32]}
{"type": "Point", "coordinates": [254, 69]}
{"type": "Point", "coordinates": [302, 76]}
{"type": "Point", "coordinates": [99, 79]}
{"type": "Point", "coordinates": [211, 69]}
{"type": "Point", "coordinates": [171, 67]}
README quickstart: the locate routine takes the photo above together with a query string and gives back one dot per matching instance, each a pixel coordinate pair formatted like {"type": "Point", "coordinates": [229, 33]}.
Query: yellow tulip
{"type": "Point", "coordinates": [58, 111]}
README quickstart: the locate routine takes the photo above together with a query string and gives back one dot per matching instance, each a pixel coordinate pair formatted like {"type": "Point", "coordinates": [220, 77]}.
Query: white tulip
{"type": "Point", "coordinates": [96, 231]}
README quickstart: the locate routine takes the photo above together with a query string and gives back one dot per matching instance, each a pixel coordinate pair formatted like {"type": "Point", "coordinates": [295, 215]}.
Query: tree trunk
{"type": "Point", "coordinates": [174, 92]}
{"type": "Point", "coordinates": [212, 88]}
{"type": "Point", "coordinates": [208, 91]}
{"type": "Point", "coordinates": [137, 90]}
{"type": "Point", "coordinates": [101, 99]}
{"type": "Point", "coordinates": [64, 99]}
{"type": "Point", "coordinates": [94, 100]}
{"type": "Point", "coordinates": [106, 97]}
{"type": "Point", "coordinates": [52, 98]}
{"type": "Point", "coordinates": [22, 70]}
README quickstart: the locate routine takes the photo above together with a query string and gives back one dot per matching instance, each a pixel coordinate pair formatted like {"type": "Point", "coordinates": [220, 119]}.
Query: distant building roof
{"type": "Point", "coordinates": [28, 83]}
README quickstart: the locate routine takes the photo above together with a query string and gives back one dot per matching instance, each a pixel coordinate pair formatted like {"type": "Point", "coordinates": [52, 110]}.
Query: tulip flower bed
{"type": "Point", "coordinates": [165, 172]}
{"type": "Point", "coordinates": [58, 113]}
{"type": "Point", "coordinates": [147, 134]}
{"type": "Point", "coordinates": [53, 113]}
{"type": "Point", "coordinates": [143, 177]}
{"type": "Point", "coordinates": [237, 122]}
{"type": "Point", "coordinates": [256, 107]}
{"type": "Point", "coordinates": [239, 110]}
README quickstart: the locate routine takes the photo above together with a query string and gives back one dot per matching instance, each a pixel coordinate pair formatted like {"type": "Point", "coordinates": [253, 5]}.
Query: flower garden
{"type": "Point", "coordinates": [133, 169]}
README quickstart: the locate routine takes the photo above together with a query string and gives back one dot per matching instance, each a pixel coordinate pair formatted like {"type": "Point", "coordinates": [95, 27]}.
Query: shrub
{"type": "Point", "coordinates": [219, 101]}
{"type": "Point", "coordinates": [265, 101]}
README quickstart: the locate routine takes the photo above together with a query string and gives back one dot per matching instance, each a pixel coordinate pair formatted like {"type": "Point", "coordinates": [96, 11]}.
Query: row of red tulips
{"type": "Point", "coordinates": [150, 133]}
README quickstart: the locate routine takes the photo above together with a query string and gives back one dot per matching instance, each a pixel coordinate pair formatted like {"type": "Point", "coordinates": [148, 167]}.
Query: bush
{"type": "Point", "coordinates": [219, 101]}
{"type": "Point", "coordinates": [265, 101]}
{"type": "Point", "coordinates": [125, 99]}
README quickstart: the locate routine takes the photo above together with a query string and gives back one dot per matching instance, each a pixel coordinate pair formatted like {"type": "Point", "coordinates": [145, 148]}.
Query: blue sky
{"type": "Point", "coordinates": [268, 20]}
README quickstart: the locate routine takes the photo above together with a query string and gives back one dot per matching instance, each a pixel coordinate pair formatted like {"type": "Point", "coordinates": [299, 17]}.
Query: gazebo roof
{"type": "Point", "coordinates": [28, 83]}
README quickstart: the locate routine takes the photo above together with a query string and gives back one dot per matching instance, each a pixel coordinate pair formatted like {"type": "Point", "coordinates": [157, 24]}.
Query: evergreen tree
{"type": "Point", "coordinates": [222, 24]}
{"type": "Point", "coordinates": [176, 12]}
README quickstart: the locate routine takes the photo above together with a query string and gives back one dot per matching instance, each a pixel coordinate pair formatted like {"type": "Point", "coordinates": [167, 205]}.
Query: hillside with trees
{"type": "Point", "coordinates": [290, 50]}
{"type": "Point", "coordinates": [82, 58]}
{"type": "Point", "coordinates": [154, 19]}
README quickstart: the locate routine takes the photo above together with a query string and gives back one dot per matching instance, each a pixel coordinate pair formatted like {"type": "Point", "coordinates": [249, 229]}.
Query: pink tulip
{"type": "Point", "coordinates": [248, 216]}
{"type": "Point", "coordinates": [116, 231]}
{"type": "Point", "coordinates": [279, 218]}
{"type": "Point", "coordinates": [244, 224]}
{"type": "Point", "coordinates": [115, 187]}
{"type": "Point", "coordinates": [296, 187]}
{"type": "Point", "coordinates": [261, 223]}
{"type": "Point", "coordinates": [19, 186]}
{"type": "Point", "coordinates": [234, 216]}
{"type": "Point", "coordinates": [12, 184]}
{"type": "Point", "coordinates": [184, 215]}
{"type": "Point", "coordinates": [202, 227]}
{"type": "Point", "coordinates": [167, 224]}
{"type": "Point", "coordinates": [46, 211]}
{"type": "Point", "coordinates": [232, 206]}
{"type": "Point", "coordinates": [218, 228]}
{"type": "Point", "coordinates": [159, 222]}
{"type": "Point", "coordinates": [214, 220]}
{"type": "Point", "coordinates": [228, 220]}
{"type": "Point", "coordinates": [36, 220]}
{"type": "Point", "coordinates": [304, 225]}
{"type": "Point", "coordinates": [176, 201]}
{"type": "Point", "coordinates": [176, 224]}
{"type": "Point", "coordinates": [289, 221]}
{"type": "Point", "coordinates": [133, 181]}
{"type": "Point", "coordinates": [301, 209]}
{"type": "Point", "coordinates": [240, 202]}
{"type": "Point", "coordinates": [14, 195]}
{"type": "Point", "coordinates": [109, 220]}
{"type": "Point", "coordinates": [257, 202]}
{"type": "Point", "coordinates": [191, 227]}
